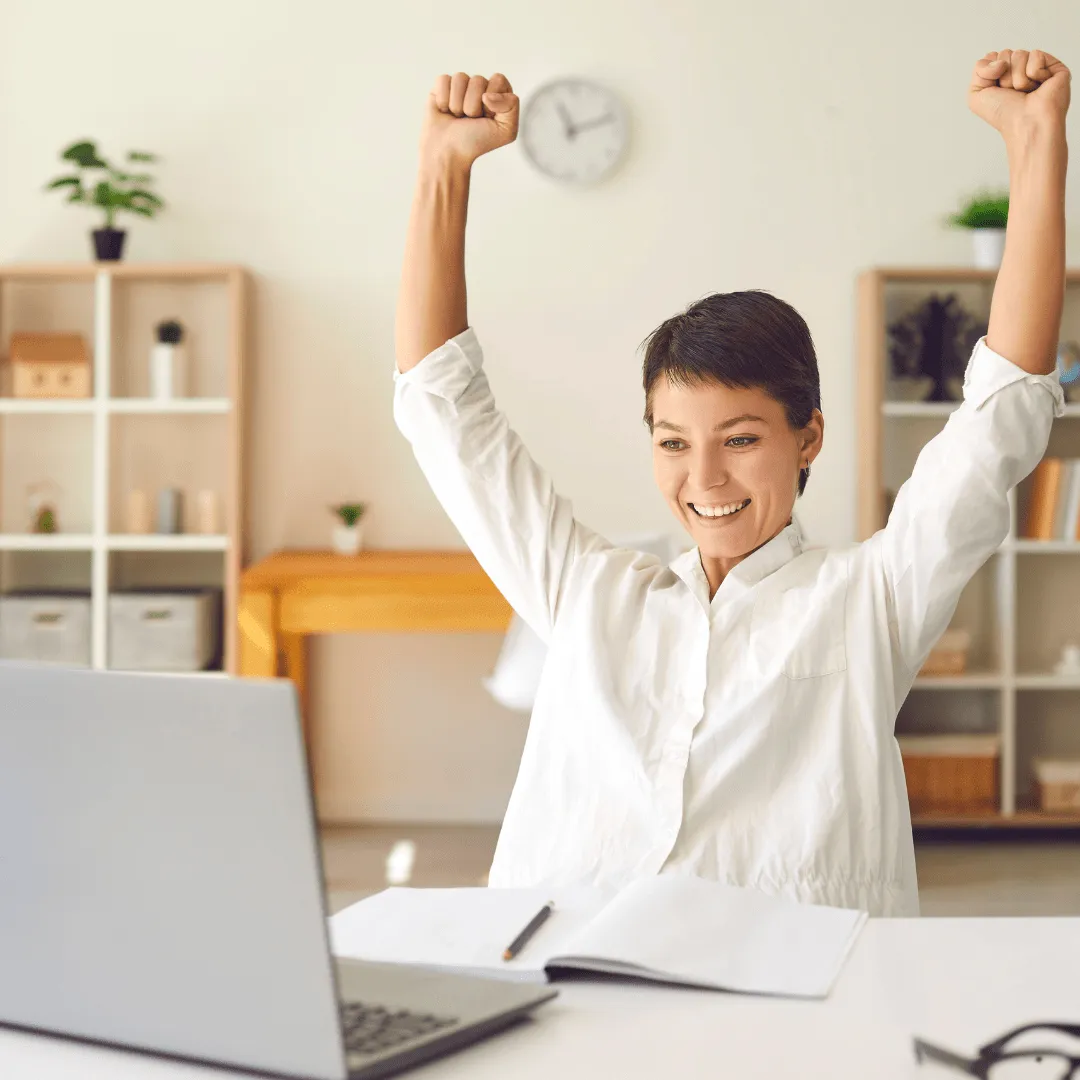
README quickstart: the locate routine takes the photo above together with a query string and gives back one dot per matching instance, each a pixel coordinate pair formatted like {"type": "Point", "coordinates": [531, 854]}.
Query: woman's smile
{"type": "Point", "coordinates": [718, 513]}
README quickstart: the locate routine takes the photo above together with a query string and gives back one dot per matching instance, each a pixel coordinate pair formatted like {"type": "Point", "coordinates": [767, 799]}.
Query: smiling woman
{"type": "Point", "coordinates": [731, 714]}
{"type": "Point", "coordinates": [732, 400]}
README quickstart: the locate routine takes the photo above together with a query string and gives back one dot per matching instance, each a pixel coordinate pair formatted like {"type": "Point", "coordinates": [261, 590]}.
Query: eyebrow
{"type": "Point", "coordinates": [719, 427]}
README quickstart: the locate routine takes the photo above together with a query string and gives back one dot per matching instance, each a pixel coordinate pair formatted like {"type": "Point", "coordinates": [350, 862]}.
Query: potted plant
{"type": "Point", "coordinates": [986, 214]}
{"type": "Point", "coordinates": [97, 183]}
{"type": "Point", "coordinates": [348, 534]}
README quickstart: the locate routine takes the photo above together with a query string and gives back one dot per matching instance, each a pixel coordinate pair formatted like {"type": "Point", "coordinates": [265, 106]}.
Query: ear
{"type": "Point", "coordinates": [812, 436]}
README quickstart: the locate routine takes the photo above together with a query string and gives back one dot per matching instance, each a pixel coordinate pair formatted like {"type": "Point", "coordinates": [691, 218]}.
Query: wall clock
{"type": "Point", "coordinates": [574, 130]}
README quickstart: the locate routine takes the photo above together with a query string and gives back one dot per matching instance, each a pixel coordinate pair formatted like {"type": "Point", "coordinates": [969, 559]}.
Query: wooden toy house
{"type": "Point", "coordinates": [49, 366]}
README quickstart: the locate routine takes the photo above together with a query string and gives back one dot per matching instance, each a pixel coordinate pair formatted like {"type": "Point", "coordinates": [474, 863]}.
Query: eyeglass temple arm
{"type": "Point", "coordinates": [946, 1057]}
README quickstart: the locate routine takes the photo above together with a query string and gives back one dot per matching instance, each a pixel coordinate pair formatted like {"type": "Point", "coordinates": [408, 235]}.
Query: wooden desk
{"type": "Point", "coordinates": [291, 594]}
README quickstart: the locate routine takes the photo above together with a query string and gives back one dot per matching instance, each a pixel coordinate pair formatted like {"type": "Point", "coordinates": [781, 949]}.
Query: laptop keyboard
{"type": "Point", "coordinates": [371, 1029]}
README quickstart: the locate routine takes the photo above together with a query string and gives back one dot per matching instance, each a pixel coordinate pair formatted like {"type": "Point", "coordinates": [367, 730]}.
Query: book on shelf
{"type": "Point", "coordinates": [1053, 511]}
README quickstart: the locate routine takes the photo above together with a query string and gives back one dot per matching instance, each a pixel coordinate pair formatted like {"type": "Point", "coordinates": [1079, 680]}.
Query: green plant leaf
{"type": "Point", "coordinates": [146, 211]}
{"type": "Point", "coordinates": [350, 513]}
{"type": "Point", "coordinates": [147, 196]}
{"type": "Point", "coordinates": [141, 155]}
{"type": "Point", "coordinates": [985, 210]}
{"type": "Point", "coordinates": [64, 181]}
{"type": "Point", "coordinates": [105, 195]}
{"type": "Point", "coordinates": [85, 155]}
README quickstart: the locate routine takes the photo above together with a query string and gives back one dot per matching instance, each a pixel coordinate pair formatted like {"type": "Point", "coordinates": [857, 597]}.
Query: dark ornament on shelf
{"type": "Point", "coordinates": [935, 339]}
{"type": "Point", "coordinates": [170, 332]}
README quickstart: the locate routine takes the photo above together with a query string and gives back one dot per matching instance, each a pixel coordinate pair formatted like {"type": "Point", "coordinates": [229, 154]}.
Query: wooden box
{"type": "Point", "coordinates": [1057, 781]}
{"type": "Point", "coordinates": [951, 774]}
{"type": "Point", "coordinates": [949, 655]}
{"type": "Point", "coordinates": [49, 366]}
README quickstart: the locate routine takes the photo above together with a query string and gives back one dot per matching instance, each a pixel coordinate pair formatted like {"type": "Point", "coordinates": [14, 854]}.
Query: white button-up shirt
{"type": "Point", "coordinates": [747, 739]}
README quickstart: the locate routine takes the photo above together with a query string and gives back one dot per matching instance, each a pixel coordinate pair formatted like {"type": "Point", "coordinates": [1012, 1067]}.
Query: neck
{"type": "Point", "coordinates": [718, 567]}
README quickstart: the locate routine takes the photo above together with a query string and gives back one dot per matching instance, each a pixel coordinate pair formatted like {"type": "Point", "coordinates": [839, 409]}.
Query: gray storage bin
{"type": "Point", "coordinates": [174, 630]}
{"type": "Point", "coordinates": [46, 627]}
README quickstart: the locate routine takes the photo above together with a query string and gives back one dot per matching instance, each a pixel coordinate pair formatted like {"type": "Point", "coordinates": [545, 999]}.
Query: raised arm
{"type": "Point", "coordinates": [503, 504]}
{"type": "Point", "coordinates": [464, 118]}
{"type": "Point", "coordinates": [1025, 95]}
{"type": "Point", "coordinates": [953, 512]}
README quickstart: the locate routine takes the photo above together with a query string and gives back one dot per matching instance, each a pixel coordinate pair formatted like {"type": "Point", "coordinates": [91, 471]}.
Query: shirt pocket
{"type": "Point", "coordinates": [801, 631]}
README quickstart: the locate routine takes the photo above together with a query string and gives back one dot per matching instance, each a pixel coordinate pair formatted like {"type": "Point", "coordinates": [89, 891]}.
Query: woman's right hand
{"type": "Point", "coordinates": [467, 117]}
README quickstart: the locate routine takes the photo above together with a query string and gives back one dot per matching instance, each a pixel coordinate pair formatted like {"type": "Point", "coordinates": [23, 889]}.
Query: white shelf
{"type": "Point", "coordinates": [48, 406]}
{"type": "Point", "coordinates": [1044, 547]}
{"type": "Point", "coordinates": [173, 542]}
{"type": "Point", "coordinates": [1047, 681]}
{"type": "Point", "coordinates": [118, 542]}
{"type": "Point", "coordinates": [218, 305]}
{"type": "Point", "coordinates": [197, 406]}
{"type": "Point", "coordinates": [46, 542]}
{"type": "Point", "coordinates": [89, 406]}
{"type": "Point", "coordinates": [918, 408]}
{"type": "Point", "coordinates": [971, 681]}
{"type": "Point", "coordinates": [941, 409]}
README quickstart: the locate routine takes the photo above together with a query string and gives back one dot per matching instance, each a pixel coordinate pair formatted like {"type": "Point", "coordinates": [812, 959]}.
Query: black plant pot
{"type": "Point", "coordinates": [109, 244]}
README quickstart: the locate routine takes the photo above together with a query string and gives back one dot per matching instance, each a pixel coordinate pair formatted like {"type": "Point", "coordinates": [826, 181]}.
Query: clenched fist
{"type": "Point", "coordinates": [1012, 86]}
{"type": "Point", "coordinates": [467, 117]}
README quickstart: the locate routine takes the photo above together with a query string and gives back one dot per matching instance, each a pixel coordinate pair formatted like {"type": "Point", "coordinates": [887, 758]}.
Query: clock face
{"type": "Point", "coordinates": [574, 130]}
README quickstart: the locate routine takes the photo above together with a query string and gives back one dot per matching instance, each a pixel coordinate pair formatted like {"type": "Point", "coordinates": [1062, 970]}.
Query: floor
{"type": "Point", "coordinates": [992, 875]}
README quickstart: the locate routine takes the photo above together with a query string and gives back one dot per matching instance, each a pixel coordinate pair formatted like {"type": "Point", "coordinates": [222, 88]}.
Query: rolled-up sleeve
{"type": "Point", "coordinates": [952, 513]}
{"type": "Point", "coordinates": [521, 531]}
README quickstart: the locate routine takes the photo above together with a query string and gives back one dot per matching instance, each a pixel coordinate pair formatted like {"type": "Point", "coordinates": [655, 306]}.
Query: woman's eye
{"type": "Point", "coordinates": [671, 444]}
{"type": "Point", "coordinates": [742, 440]}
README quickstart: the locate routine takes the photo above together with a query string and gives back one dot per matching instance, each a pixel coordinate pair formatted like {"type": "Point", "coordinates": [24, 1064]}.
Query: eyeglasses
{"type": "Point", "coordinates": [998, 1060]}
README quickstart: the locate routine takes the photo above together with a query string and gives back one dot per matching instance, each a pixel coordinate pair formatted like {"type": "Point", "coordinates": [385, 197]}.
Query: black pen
{"type": "Point", "coordinates": [535, 923]}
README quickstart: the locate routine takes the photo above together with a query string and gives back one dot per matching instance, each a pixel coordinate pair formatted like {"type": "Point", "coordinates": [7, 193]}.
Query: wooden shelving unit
{"type": "Point", "coordinates": [1024, 602]}
{"type": "Point", "coordinates": [100, 447]}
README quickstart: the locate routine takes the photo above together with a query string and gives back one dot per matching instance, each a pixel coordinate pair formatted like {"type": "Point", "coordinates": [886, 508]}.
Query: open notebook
{"type": "Point", "coordinates": [667, 929]}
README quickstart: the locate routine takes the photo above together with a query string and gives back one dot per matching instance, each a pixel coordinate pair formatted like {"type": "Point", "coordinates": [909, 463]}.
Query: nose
{"type": "Point", "coordinates": [708, 470]}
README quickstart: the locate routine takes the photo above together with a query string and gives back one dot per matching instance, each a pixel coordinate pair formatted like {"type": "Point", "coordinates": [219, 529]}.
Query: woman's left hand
{"type": "Point", "coordinates": [1014, 87]}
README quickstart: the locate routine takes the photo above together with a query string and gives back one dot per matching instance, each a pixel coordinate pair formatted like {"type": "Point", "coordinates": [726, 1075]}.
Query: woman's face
{"type": "Point", "coordinates": [728, 463]}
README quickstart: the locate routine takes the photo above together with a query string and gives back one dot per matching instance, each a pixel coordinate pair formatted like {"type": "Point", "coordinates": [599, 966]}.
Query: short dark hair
{"type": "Point", "coordinates": [738, 339]}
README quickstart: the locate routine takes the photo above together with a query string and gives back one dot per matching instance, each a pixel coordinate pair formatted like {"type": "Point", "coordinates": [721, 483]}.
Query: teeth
{"type": "Point", "coordinates": [719, 511]}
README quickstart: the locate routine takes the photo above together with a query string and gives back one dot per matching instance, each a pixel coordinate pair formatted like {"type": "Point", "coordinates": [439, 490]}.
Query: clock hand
{"type": "Point", "coordinates": [568, 123]}
{"type": "Point", "coordinates": [607, 118]}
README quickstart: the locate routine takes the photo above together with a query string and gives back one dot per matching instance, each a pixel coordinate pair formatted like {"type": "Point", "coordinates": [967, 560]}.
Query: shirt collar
{"type": "Point", "coordinates": [758, 565]}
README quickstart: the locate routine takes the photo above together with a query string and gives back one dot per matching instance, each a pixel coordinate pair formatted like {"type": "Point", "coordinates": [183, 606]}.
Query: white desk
{"type": "Point", "coordinates": [958, 981]}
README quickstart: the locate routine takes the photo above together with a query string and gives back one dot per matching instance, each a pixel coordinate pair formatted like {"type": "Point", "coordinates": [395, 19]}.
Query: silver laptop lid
{"type": "Point", "coordinates": [160, 882]}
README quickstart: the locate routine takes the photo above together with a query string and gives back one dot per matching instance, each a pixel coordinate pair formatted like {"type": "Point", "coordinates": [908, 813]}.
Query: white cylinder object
{"type": "Point", "coordinates": [139, 518]}
{"type": "Point", "coordinates": [168, 371]}
{"type": "Point", "coordinates": [989, 247]}
{"type": "Point", "coordinates": [206, 513]}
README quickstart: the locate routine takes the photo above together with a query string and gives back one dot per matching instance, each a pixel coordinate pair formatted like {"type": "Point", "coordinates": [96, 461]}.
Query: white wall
{"type": "Point", "coordinates": [777, 145]}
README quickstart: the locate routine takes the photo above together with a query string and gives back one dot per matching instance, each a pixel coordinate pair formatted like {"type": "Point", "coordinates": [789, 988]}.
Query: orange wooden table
{"type": "Point", "coordinates": [291, 594]}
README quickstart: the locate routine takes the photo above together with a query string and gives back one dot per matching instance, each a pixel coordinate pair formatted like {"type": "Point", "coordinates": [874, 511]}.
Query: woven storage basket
{"type": "Point", "coordinates": [951, 774]}
{"type": "Point", "coordinates": [1057, 781]}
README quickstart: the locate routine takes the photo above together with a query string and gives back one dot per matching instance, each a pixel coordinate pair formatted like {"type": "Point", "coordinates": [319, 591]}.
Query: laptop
{"type": "Point", "coordinates": [161, 886]}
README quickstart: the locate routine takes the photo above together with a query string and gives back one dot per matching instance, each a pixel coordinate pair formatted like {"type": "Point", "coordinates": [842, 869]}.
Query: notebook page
{"type": "Point", "coordinates": [461, 929]}
{"type": "Point", "coordinates": [685, 929]}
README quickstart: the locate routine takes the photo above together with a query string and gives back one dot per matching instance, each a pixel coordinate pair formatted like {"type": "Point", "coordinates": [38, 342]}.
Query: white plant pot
{"type": "Point", "coordinates": [989, 247]}
{"type": "Point", "coordinates": [168, 371]}
{"type": "Point", "coordinates": [348, 539]}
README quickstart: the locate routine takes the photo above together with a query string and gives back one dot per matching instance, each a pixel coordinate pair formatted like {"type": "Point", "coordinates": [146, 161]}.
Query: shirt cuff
{"type": "Point", "coordinates": [988, 372]}
{"type": "Point", "coordinates": [447, 370]}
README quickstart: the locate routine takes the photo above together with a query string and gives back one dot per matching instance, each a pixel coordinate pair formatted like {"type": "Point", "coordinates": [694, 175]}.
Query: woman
{"type": "Point", "coordinates": [730, 715]}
